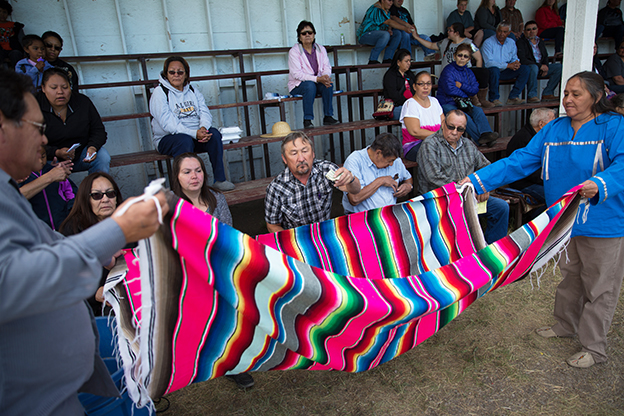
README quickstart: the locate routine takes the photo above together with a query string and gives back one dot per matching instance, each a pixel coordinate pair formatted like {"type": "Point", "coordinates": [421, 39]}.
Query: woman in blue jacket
{"type": "Point", "coordinates": [585, 148]}
{"type": "Point", "coordinates": [457, 84]}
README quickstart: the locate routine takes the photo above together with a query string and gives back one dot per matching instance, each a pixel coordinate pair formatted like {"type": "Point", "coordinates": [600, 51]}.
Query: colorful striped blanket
{"type": "Point", "coordinates": [347, 294]}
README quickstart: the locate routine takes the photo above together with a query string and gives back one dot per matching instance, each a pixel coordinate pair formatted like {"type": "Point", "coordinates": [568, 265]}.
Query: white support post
{"type": "Point", "coordinates": [580, 33]}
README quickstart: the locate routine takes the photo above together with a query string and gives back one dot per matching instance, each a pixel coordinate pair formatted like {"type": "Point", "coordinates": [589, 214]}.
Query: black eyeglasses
{"type": "Point", "coordinates": [531, 28]}
{"type": "Point", "coordinates": [424, 84]}
{"type": "Point", "coordinates": [40, 126]}
{"type": "Point", "coordinates": [56, 48]}
{"type": "Point", "coordinates": [176, 72]}
{"type": "Point", "coordinates": [461, 55]}
{"type": "Point", "coordinates": [307, 32]}
{"type": "Point", "coordinates": [96, 196]}
{"type": "Point", "coordinates": [458, 128]}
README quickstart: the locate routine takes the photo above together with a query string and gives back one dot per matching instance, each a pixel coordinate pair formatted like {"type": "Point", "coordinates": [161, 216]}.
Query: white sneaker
{"type": "Point", "coordinates": [223, 186]}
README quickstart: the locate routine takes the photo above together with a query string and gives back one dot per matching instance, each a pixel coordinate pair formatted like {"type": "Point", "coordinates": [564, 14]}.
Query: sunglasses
{"type": "Point", "coordinates": [96, 196]}
{"type": "Point", "coordinates": [307, 32]}
{"type": "Point", "coordinates": [56, 48]}
{"type": "Point", "coordinates": [40, 126]}
{"type": "Point", "coordinates": [459, 128]}
{"type": "Point", "coordinates": [176, 72]}
{"type": "Point", "coordinates": [461, 55]}
{"type": "Point", "coordinates": [424, 84]}
{"type": "Point", "coordinates": [531, 28]}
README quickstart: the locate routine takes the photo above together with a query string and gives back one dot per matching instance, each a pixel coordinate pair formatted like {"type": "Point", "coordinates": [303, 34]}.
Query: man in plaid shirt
{"type": "Point", "coordinates": [302, 193]}
{"type": "Point", "coordinates": [446, 156]}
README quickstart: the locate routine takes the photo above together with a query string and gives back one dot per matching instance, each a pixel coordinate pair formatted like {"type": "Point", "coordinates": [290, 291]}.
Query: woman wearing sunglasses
{"type": "Point", "coordinates": [457, 84]}
{"type": "Point", "coordinates": [421, 115]}
{"type": "Point", "coordinates": [309, 74]}
{"type": "Point", "coordinates": [53, 43]}
{"type": "Point", "coordinates": [182, 122]}
{"type": "Point", "coordinates": [97, 198]}
{"type": "Point", "coordinates": [74, 128]}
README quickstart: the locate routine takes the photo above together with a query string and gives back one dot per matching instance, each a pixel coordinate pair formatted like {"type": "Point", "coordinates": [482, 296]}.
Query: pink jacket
{"type": "Point", "coordinates": [299, 68]}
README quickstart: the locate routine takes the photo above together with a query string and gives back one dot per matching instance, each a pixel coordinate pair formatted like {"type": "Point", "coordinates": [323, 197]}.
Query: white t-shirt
{"type": "Point", "coordinates": [429, 117]}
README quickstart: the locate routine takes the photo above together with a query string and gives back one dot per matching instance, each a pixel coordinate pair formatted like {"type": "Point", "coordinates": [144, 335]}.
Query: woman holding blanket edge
{"type": "Point", "coordinates": [589, 139]}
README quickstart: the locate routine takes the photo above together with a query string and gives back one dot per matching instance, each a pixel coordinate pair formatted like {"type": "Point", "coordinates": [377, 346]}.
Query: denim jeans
{"type": "Point", "coordinates": [521, 75]}
{"type": "Point", "coordinates": [407, 41]}
{"type": "Point", "coordinates": [555, 33]}
{"type": "Point", "coordinates": [396, 112]}
{"type": "Point", "coordinates": [380, 39]}
{"type": "Point", "coordinates": [497, 216]}
{"type": "Point", "coordinates": [100, 164]}
{"type": "Point", "coordinates": [615, 32]}
{"type": "Point", "coordinates": [477, 121]}
{"type": "Point", "coordinates": [309, 90]}
{"type": "Point", "coordinates": [554, 77]}
{"type": "Point", "coordinates": [176, 144]}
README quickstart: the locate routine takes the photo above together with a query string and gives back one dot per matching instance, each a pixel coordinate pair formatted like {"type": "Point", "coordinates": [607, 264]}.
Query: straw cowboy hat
{"type": "Point", "coordinates": [280, 129]}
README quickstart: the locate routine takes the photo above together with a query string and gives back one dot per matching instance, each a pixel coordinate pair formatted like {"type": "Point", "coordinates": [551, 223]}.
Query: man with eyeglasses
{"type": "Point", "coordinates": [532, 53]}
{"type": "Point", "coordinates": [447, 156]}
{"type": "Point", "coordinates": [48, 338]}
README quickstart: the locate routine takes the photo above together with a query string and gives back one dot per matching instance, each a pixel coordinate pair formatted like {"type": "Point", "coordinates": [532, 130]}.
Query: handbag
{"type": "Point", "coordinates": [385, 110]}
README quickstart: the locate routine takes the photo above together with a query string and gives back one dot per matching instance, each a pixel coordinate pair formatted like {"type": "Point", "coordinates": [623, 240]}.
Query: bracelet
{"type": "Point", "coordinates": [351, 180]}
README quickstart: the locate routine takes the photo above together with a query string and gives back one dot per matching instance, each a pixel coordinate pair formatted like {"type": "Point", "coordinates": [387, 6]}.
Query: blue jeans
{"type": "Point", "coordinates": [555, 33]}
{"type": "Point", "coordinates": [487, 33]}
{"type": "Point", "coordinates": [309, 90]}
{"type": "Point", "coordinates": [615, 32]}
{"type": "Point", "coordinates": [407, 40]}
{"type": "Point", "coordinates": [396, 112]}
{"type": "Point", "coordinates": [554, 77]}
{"type": "Point", "coordinates": [497, 216]}
{"type": "Point", "coordinates": [477, 121]}
{"type": "Point", "coordinates": [380, 39]}
{"type": "Point", "coordinates": [176, 144]}
{"type": "Point", "coordinates": [521, 75]}
{"type": "Point", "coordinates": [100, 164]}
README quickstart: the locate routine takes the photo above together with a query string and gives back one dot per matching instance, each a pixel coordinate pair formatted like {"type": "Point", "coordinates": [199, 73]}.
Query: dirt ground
{"type": "Point", "coordinates": [488, 361]}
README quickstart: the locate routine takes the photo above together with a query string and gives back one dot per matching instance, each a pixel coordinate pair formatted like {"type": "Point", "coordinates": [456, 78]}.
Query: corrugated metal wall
{"type": "Point", "coordinates": [108, 27]}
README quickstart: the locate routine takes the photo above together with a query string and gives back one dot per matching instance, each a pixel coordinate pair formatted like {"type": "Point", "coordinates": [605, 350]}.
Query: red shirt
{"type": "Point", "coordinates": [546, 18]}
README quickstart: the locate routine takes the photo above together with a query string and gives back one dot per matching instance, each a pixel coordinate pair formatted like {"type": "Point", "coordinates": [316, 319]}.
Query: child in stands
{"type": "Point", "coordinates": [34, 64]}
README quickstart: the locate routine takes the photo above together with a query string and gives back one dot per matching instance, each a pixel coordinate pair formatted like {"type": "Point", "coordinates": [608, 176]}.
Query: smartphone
{"type": "Point", "coordinates": [74, 147]}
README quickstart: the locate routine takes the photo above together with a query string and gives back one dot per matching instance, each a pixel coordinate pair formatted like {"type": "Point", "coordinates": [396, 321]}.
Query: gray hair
{"type": "Point", "coordinates": [541, 114]}
{"type": "Point", "coordinates": [504, 23]}
{"type": "Point", "coordinates": [291, 137]}
{"type": "Point", "coordinates": [457, 113]}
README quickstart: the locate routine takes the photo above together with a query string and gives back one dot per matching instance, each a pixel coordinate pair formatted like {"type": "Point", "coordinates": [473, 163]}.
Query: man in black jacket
{"type": "Point", "coordinates": [532, 52]}
{"type": "Point", "coordinates": [610, 22]}
{"type": "Point", "coordinates": [533, 184]}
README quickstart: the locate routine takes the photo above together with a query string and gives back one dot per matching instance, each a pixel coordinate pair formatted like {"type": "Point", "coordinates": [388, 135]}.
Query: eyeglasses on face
{"type": "Point", "coordinates": [531, 28]}
{"type": "Point", "coordinates": [462, 55]}
{"type": "Point", "coordinates": [424, 84]}
{"type": "Point", "coordinates": [56, 48]}
{"type": "Point", "coordinates": [307, 32]}
{"type": "Point", "coordinates": [458, 128]}
{"type": "Point", "coordinates": [96, 196]}
{"type": "Point", "coordinates": [172, 72]}
{"type": "Point", "coordinates": [40, 126]}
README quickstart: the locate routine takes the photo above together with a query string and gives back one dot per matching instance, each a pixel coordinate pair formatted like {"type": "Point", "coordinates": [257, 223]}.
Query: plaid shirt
{"type": "Point", "coordinates": [514, 18]}
{"type": "Point", "coordinates": [439, 163]}
{"type": "Point", "coordinates": [292, 204]}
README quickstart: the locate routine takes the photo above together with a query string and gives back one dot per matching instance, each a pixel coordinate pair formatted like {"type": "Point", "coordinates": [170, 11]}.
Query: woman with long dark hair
{"type": "Point", "coordinates": [97, 198]}
{"type": "Point", "coordinates": [189, 182]}
{"type": "Point", "coordinates": [398, 81]}
{"type": "Point", "coordinates": [584, 148]}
